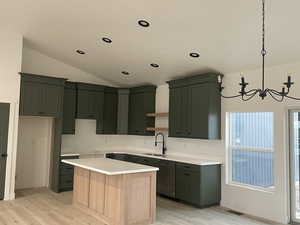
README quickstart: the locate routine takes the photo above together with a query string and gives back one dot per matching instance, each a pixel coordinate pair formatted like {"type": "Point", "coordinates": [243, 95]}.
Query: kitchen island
{"type": "Point", "coordinates": [121, 193]}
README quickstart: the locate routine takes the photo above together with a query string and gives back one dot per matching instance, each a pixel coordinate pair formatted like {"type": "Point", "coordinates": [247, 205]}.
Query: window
{"type": "Point", "coordinates": [250, 149]}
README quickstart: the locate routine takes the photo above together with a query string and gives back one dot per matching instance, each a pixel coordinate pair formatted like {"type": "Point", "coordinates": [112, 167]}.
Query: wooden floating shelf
{"type": "Point", "coordinates": [157, 129]}
{"type": "Point", "coordinates": [164, 114]}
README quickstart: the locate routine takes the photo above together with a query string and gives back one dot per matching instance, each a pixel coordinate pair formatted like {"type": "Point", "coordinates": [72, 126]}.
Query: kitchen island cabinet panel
{"type": "Point", "coordinates": [81, 186]}
{"type": "Point", "coordinates": [97, 192]}
{"type": "Point", "coordinates": [126, 198]}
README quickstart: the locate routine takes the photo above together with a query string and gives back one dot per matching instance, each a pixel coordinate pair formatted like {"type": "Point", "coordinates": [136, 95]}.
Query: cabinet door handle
{"type": "Point", "coordinates": [186, 174]}
{"type": "Point", "coordinates": [4, 155]}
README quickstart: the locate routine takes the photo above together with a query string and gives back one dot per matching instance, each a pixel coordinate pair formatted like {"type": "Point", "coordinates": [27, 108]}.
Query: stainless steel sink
{"type": "Point", "coordinates": [153, 154]}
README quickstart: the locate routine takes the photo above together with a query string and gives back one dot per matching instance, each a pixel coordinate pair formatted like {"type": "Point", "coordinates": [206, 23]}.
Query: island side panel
{"type": "Point", "coordinates": [81, 187]}
{"type": "Point", "coordinates": [114, 191]}
{"type": "Point", "coordinates": [140, 198]}
{"type": "Point", "coordinates": [97, 192]}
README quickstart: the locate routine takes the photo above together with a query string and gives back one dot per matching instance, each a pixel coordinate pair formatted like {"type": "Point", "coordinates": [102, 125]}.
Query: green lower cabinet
{"type": "Point", "coordinates": [188, 186]}
{"type": "Point", "coordinates": [132, 158]}
{"type": "Point", "coordinates": [166, 178]}
{"type": "Point", "coordinates": [116, 156]}
{"type": "Point", "coordinates": [66, 175]}
{"type": "Point", "coordinates": [198, 185]}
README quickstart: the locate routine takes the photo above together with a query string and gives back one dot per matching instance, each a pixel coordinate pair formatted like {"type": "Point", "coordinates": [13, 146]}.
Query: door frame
{"type": "Point", "coordinates": [4, 159]}
{"type": "Point", "coordinates": [290, 165]}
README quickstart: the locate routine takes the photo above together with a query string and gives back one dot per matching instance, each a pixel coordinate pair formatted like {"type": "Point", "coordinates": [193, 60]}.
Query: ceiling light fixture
{"type": "Point", "coordinates": [125, 73]}
{"type": "Point", "coordinates": [262, 92]}
{"type": "Point", "coordinates": [154, 65]}
{"type": "Point", "coordinates": [143, 23]}
{"type": "Point", "coordinates": [194, 54]}
{"type": "Point", "coordinates": [107, 40]}
{"type": "Point", "coordinates": [80, 52]}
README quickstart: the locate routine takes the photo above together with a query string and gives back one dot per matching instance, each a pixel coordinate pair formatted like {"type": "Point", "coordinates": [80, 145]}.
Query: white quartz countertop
{"type": "Point", "coordinates": [109, 166]}
{"type": "Point", "coordinates": [180, 159]}
{"type": "Point", "coordinates": [176, 158]}
{"type": "Point", "coordinates": [70, 154]}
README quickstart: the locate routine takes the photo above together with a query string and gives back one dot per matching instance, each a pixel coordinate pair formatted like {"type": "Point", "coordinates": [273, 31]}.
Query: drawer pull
{"type": "Point", "coordinates": [186, 174]}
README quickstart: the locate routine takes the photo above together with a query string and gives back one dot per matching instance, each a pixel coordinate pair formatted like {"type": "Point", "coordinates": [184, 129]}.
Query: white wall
{"type": "Point", "coordinates": [34, 144]}
{"type": "Point", "coordinates": [38, 63]}
{"type": "Point", "coordinates": [10, 64]}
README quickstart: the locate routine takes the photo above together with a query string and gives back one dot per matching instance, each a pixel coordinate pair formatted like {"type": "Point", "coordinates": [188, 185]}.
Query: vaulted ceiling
{"type": "Point", "coordinates": [226, 34]}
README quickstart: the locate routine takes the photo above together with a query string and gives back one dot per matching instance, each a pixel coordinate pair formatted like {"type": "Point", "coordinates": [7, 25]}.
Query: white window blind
{"type": "Point", "coordinates": [251, 150]}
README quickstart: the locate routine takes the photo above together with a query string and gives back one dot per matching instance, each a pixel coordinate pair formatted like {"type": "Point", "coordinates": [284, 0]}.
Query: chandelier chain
{"type": "Point", "coordinates": [263, 51]}
{"type": "Point", "coordinates": [263, 28]}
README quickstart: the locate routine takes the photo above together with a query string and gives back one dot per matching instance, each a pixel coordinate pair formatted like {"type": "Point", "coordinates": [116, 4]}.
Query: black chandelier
{"type": "Point", "coordinates": [262, 92]}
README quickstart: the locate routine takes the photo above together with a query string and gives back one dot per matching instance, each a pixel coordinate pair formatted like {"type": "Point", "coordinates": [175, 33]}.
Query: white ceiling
{"type": "Point", "coordinates": [227, 34]}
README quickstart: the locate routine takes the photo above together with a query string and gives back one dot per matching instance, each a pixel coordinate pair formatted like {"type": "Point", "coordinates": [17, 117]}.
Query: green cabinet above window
{"type": "Point", "coordinates": [195, 107]}
{"type": "Point", "coordinates": [41, 95]}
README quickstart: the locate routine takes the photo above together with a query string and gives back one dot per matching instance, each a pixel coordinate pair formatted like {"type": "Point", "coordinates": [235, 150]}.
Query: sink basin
{"type": "Point", "coordinates": [153, 154]}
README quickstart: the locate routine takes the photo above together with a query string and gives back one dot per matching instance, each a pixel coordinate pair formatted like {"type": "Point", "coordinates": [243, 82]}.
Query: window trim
{"type": "Point", "coordinates": [229, 149]}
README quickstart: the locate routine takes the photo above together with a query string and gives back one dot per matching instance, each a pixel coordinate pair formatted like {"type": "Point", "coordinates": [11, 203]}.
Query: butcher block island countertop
{"type": "Point", "coordinates": [121, 193]}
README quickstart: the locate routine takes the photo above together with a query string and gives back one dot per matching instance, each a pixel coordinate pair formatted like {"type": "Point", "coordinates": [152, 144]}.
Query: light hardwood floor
{"type": "Point", "coordinates": [43, 207]}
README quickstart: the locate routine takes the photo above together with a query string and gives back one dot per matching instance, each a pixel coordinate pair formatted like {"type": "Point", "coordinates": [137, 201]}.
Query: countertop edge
{"type": "Point", "coordinates": [207, 163]}
{"type": "Point", "coordinates": [69, 154]}
{"type": "Point", "coordinates": [108, 173]}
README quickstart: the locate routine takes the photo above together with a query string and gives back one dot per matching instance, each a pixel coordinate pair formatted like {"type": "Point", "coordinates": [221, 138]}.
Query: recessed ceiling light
{"type": "Point", "coordinates": [154, 65]}
{"type": "Point", "coordinates": [80, 52]}
{"type": "Point", "coordinates": [144, 23]}
{"type": "Point", "coordinates": [125, 73]}
{"type": "Point", "coordinates": [107, 40]}
{"type": "Point", "coordinates": [194, 55]}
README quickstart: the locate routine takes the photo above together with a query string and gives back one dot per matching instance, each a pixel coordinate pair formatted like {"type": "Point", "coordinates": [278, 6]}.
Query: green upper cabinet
{"type": "Point", "coordinates": [41, 95]}
{"type": "Point", "coordinates": [69, 112]}
{"type": "Point", "coordinates": [195, 107]}
{"type": "Point", "coordinates": [107, 120]}
{"type": "Point", "coordinates": [123, 107]}
{"type": "Point", "coordinates": [141, 102]}
{"type": "Point", "coordinates": [90, 99]}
